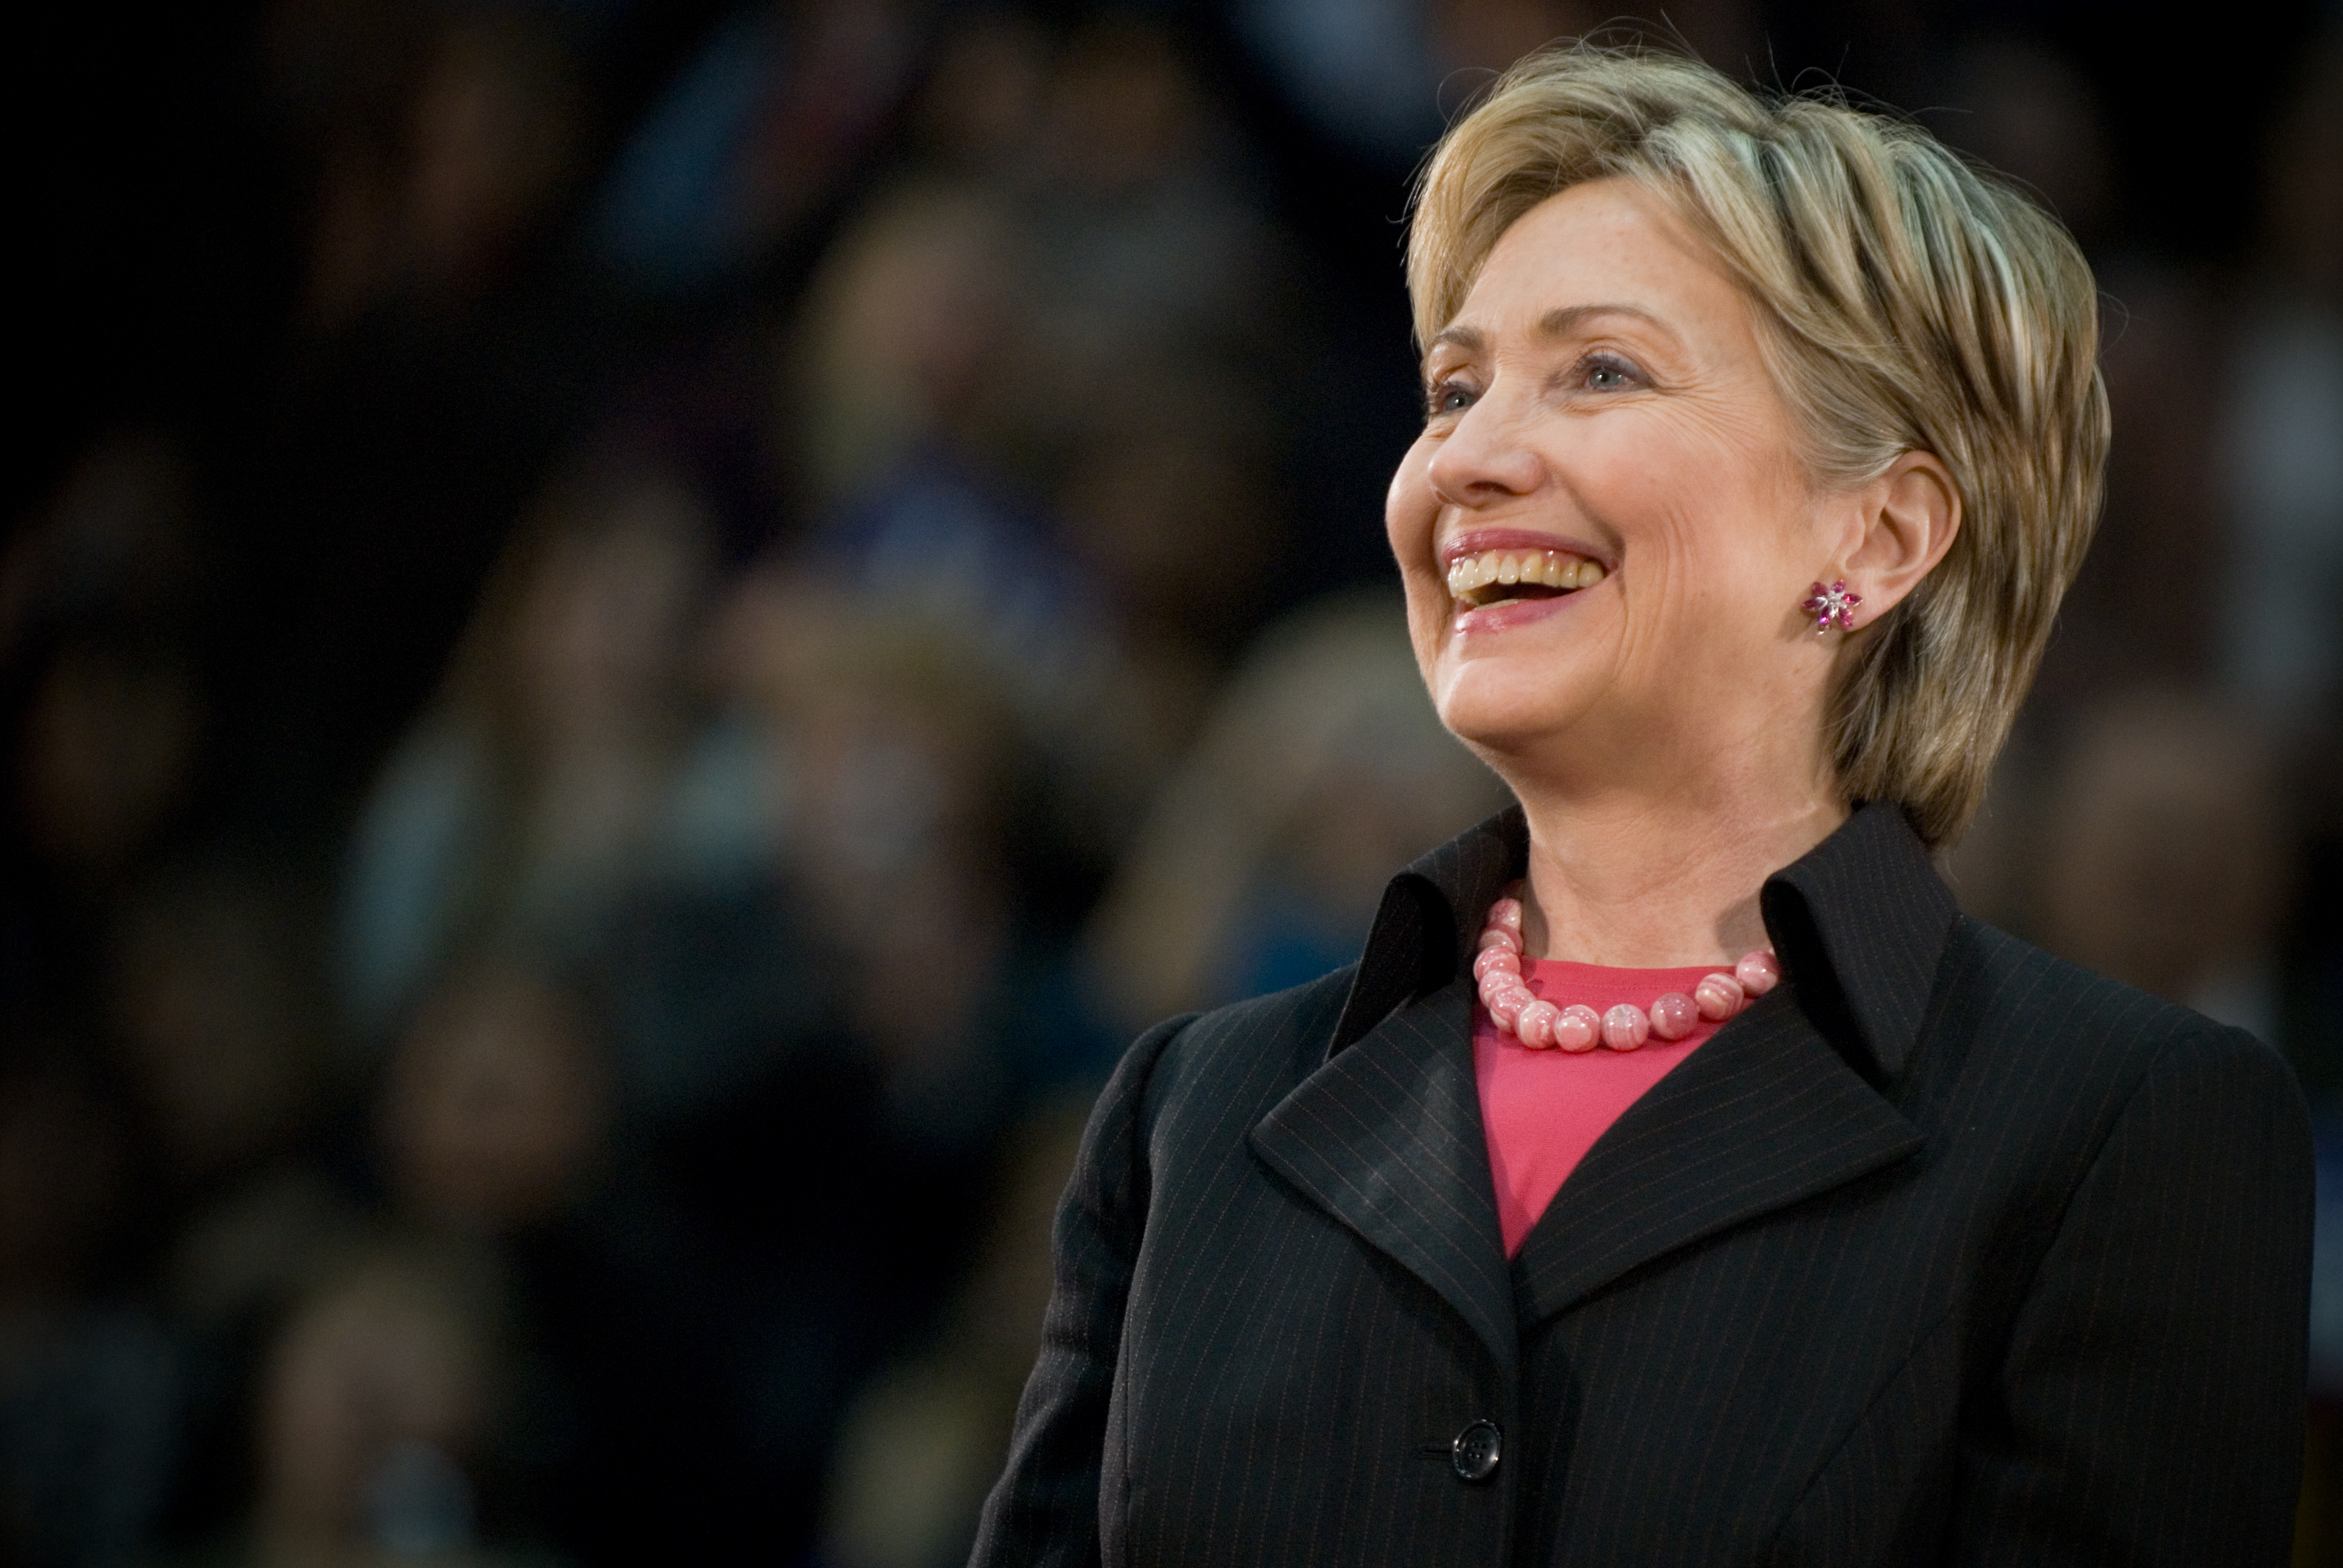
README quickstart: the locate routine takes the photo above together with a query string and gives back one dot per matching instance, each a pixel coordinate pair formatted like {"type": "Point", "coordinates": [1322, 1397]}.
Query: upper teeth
{"type": "Point", "coordinates": [1554, 568]}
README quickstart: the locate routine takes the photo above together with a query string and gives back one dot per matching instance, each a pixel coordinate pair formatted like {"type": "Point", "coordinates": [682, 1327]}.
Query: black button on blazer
{"type": "Point", "coordinates": [1944, 1251]}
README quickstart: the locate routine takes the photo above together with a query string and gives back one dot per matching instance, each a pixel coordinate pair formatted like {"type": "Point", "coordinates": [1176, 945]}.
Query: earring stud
{"type": "Point", "coordinates": [1832, 604]}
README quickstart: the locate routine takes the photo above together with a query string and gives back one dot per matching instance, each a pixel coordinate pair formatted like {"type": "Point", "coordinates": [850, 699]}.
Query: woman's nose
{"type": "Point", "coordinates": [1485, 458]}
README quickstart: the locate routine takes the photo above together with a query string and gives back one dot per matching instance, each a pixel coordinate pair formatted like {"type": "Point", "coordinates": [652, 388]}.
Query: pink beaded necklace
{"type": "Point", "coordinates": [1539, 1024]}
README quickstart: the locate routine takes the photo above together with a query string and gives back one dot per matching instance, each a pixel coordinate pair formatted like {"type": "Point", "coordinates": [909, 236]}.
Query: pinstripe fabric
{"type": "Point", "coordinates": [1946, 1252]}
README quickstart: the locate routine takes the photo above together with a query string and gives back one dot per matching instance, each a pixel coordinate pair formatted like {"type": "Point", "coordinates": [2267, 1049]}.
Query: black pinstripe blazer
{"type": "Point", "coordinates": [1944, 1251]}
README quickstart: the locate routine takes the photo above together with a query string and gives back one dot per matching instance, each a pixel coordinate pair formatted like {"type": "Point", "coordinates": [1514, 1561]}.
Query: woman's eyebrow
{"type": "Point", "coordinates": [1470, 339]}
{"type": "Point", "coordinates": [1569, 318]}
{"type": "Point", "coordinates": [1559, 322]}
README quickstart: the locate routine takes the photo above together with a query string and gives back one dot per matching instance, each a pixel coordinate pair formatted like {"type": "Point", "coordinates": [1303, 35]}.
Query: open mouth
{"type": "Point", "coordinates": [1494, 577]}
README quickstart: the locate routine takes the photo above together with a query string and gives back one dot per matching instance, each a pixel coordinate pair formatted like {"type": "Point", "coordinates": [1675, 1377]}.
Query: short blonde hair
{"type": "Point", "coordinates": [1906, 302]}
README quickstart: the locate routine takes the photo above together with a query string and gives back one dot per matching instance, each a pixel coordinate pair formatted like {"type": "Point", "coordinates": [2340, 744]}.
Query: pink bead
{"type": "Point", "coordinates": [1505, 914]}
{"type": "Point", "coordinates": [1535, 1027]}
{"type": "Point", "coordinates": [1674, 1015]}
{"type": "Point", "coordinates": [1720, 997]}
{"type": "Point", "coordinates": [1625, 1026]}
{"type": "Point", "coordinates": [1506, 1006]}
{"type": "Point", "coordinates": [1580, 1028]}
{"type": "Point", "coordinates": [1498, 937]}
{"type": "Point", "coordinates": [1757, 972]}
{"type": "Point", "coordinates": [1496, 960]}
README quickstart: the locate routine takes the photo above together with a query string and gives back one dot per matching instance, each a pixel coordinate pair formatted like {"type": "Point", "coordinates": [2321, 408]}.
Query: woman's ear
{"type": "Point", "coordinates": [1909, 515]}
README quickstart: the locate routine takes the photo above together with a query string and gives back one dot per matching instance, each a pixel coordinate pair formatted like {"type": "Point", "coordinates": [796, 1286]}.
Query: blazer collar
{"type": "Point", "coordinates": [1859, 923]}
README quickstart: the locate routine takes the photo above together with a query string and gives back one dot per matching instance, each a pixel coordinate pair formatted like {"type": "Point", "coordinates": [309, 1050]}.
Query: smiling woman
{"type": "Point", "coordinates": [1678, 1176]}
{"type": "Point", "coordinates": [1603, 397]}
{"type": "Point", "coordinates": [1896, 309]}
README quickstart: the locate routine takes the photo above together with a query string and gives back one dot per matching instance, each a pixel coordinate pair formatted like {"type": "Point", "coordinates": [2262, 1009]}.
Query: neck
{"type": "Point", "coordinates": [1636, 878]}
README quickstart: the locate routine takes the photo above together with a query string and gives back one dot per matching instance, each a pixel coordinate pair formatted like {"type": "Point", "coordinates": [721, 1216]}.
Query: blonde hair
{"type": "Point", "coordinates": [1905, 301]}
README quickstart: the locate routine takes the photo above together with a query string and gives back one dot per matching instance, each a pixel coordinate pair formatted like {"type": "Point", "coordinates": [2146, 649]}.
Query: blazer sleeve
{"type": "Point", "coordinates": [1045, 1509]}
{"type": "Point", "coordinates": [2150, 1406]}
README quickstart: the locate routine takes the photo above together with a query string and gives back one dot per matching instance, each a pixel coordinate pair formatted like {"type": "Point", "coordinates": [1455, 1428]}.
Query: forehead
{"type": "Point", "coordinates": [1607, 242]}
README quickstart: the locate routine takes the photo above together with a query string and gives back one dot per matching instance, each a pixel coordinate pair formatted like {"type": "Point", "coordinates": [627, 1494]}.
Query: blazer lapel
{"type": "Point", "coordinates": [1386, 1137]}
{"type": "Point", "coordinates": [1765, 1114]}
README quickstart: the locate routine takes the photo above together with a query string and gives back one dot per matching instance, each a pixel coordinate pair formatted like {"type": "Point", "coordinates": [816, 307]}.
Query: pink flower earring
{"type": "Point", "coordinates": [1832, 604]}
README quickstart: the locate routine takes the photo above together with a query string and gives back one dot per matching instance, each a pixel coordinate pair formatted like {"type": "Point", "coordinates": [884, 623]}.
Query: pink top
{"type": "Point", "coordinates": [1544, 1110]}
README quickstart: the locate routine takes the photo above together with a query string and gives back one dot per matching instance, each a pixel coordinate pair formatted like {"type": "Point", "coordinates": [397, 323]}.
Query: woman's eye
{"type": "Point", "coordinates": [1448, 398]}
{"type": "Point", "coordinates": [1607, 375]}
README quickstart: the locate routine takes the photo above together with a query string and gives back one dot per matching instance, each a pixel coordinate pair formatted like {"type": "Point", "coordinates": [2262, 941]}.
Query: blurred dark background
{"type": "Point", "coordinates": [636, 637]}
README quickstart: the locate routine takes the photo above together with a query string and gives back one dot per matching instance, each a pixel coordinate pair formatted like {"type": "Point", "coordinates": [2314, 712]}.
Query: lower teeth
{"type": "Point", "coordinates": [1481, 599]}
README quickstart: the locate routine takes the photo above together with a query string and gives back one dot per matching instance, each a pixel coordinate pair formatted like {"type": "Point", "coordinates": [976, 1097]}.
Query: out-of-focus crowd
{"type": "Point", "coordinates": [715, 602]}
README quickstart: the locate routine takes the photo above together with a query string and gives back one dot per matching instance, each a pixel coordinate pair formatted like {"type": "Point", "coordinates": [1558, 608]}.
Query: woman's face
{"type": "Point", "coordinates": [1601, 399]}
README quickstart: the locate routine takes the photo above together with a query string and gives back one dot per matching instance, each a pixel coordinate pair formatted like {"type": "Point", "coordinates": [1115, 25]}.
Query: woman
{"type": "Point", "coordinates": [1760, 440]}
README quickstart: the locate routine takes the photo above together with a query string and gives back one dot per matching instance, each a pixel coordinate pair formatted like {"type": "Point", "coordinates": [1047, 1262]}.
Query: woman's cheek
{"type": "Point", "coordinates": [1407, 509]}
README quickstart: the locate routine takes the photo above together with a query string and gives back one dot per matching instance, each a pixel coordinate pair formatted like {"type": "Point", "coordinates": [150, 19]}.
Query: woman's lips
{"type": "Point", "coordinates": [1498, 578]}
{"type": "Point", "coordinates": [1493, 589]}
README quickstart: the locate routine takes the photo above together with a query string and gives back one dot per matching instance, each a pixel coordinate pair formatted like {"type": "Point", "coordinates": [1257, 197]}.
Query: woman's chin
{"type": "Point", "coordinates": [1499, 722]}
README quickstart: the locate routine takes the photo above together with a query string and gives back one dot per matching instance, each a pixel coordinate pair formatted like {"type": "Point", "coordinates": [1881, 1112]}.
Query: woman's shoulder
{"type": "Point", "coordinates": [2062, 1032]}
{"type": "Point", "coordinates": [1245, 1053]}
{"type": "Point", "coordinates": [1292, 1026]}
